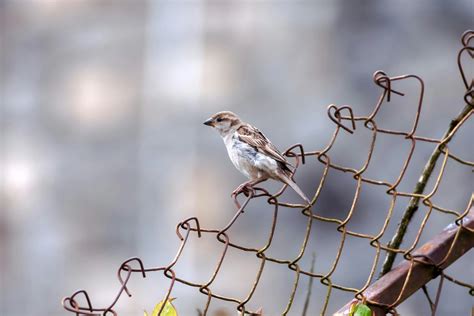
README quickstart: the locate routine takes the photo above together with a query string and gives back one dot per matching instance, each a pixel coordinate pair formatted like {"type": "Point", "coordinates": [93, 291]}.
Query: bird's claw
{"type": "Point", "coordinates": [244, 188]}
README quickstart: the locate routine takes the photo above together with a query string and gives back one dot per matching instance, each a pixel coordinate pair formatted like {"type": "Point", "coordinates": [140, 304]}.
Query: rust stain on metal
{"type": "Point", "coordinates": [420, 267]}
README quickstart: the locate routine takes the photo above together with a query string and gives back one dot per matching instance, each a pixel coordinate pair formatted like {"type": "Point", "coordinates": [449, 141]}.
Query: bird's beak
{"type": "Point", "coordinates": [209, 122]}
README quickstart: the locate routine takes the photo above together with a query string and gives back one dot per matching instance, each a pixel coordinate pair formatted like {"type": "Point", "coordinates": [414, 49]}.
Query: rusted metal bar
{"type": "Point", "coordinates": [439, 251]}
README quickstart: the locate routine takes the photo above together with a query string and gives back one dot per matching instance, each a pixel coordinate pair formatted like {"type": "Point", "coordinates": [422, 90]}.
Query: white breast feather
{"type": "Point", "coordinates": [247, 160]}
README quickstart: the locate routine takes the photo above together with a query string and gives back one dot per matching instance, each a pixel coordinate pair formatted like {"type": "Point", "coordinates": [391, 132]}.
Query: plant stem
{"type": "Point", "coordinates": [310, 286]}
{"type": "Point", "coordinates": [419, 189]}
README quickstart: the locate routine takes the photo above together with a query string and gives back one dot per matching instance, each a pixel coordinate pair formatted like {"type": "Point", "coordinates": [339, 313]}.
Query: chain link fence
{"type": "Point", "coordinates": [420, 264]}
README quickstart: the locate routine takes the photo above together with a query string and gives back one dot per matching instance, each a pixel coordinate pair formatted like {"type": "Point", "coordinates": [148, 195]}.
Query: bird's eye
{"type": "Point", "coordinates": [219, 119]}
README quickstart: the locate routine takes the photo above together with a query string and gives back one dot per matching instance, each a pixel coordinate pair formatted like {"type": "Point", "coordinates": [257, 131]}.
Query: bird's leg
{"type": "Point", "coordinates": [247, 187]}
{"type": "Point", "coordinates": [240, 188]}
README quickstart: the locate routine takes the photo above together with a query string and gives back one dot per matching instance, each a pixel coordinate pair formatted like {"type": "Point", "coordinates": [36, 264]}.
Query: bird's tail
{"type": "Point", "coordinates": [295, 187]}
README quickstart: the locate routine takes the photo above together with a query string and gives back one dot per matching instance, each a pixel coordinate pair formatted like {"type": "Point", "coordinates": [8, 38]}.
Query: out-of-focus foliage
{"type": "Point", "coordinates": [360, 309]}
{"type": "Point", "coordinates": [168, 309]}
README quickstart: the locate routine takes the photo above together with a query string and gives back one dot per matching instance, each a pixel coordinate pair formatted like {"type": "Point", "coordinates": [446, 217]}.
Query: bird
{"type": "Point", "coordinates": [252, 153]}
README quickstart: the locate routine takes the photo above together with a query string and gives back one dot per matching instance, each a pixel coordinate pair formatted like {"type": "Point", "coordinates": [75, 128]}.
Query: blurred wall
{"type": "Point", "coordinates": [103, 149]}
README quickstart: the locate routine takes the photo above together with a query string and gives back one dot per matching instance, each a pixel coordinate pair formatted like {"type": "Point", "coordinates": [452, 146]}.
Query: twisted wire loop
{"type": "Point", "coordinates": [343, 117]}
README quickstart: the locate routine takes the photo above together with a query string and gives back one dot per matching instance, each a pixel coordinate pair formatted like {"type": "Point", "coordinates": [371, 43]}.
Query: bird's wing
{"type": "Point", "coordinates": [253, 137]}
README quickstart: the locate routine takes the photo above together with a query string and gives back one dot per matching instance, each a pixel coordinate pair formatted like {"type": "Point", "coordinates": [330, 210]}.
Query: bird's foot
{"type": "Point", "coordinates": [245, 188]}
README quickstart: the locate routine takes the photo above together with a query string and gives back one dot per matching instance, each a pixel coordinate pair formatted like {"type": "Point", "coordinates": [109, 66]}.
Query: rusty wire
{"type": "Point", "coordinates": [341, 116]}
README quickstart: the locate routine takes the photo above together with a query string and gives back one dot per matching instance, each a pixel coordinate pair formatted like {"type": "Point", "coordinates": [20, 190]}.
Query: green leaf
{"type": "Point", "coordinates": [168, 310]}
{"type": "Point", "coordinates": [359, 309]}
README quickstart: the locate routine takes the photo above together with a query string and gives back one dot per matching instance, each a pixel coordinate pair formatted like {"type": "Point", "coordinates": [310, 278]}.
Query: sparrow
{"type": "Point", "coordinates": [252, 153]}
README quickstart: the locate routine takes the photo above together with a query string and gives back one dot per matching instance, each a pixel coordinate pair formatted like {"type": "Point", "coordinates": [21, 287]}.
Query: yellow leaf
{"type": "Point", "coordinates": [168, 309]}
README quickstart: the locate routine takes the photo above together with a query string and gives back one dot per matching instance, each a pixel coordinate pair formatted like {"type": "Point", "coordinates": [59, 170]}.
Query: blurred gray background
{"type": "Point", "coordinates": [103, 150]}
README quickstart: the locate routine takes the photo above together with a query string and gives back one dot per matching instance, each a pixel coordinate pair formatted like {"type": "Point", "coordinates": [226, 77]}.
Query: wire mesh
{"type": "Point", "coordinates": [345, 120]}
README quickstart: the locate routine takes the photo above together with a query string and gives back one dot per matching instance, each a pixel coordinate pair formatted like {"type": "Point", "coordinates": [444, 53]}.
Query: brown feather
{"type": "Point", "coordinates": [253, 137]}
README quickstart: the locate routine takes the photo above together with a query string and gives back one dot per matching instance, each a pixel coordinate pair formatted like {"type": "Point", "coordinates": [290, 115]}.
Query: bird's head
{"type": "Point", "coordinates": [224, 122]}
